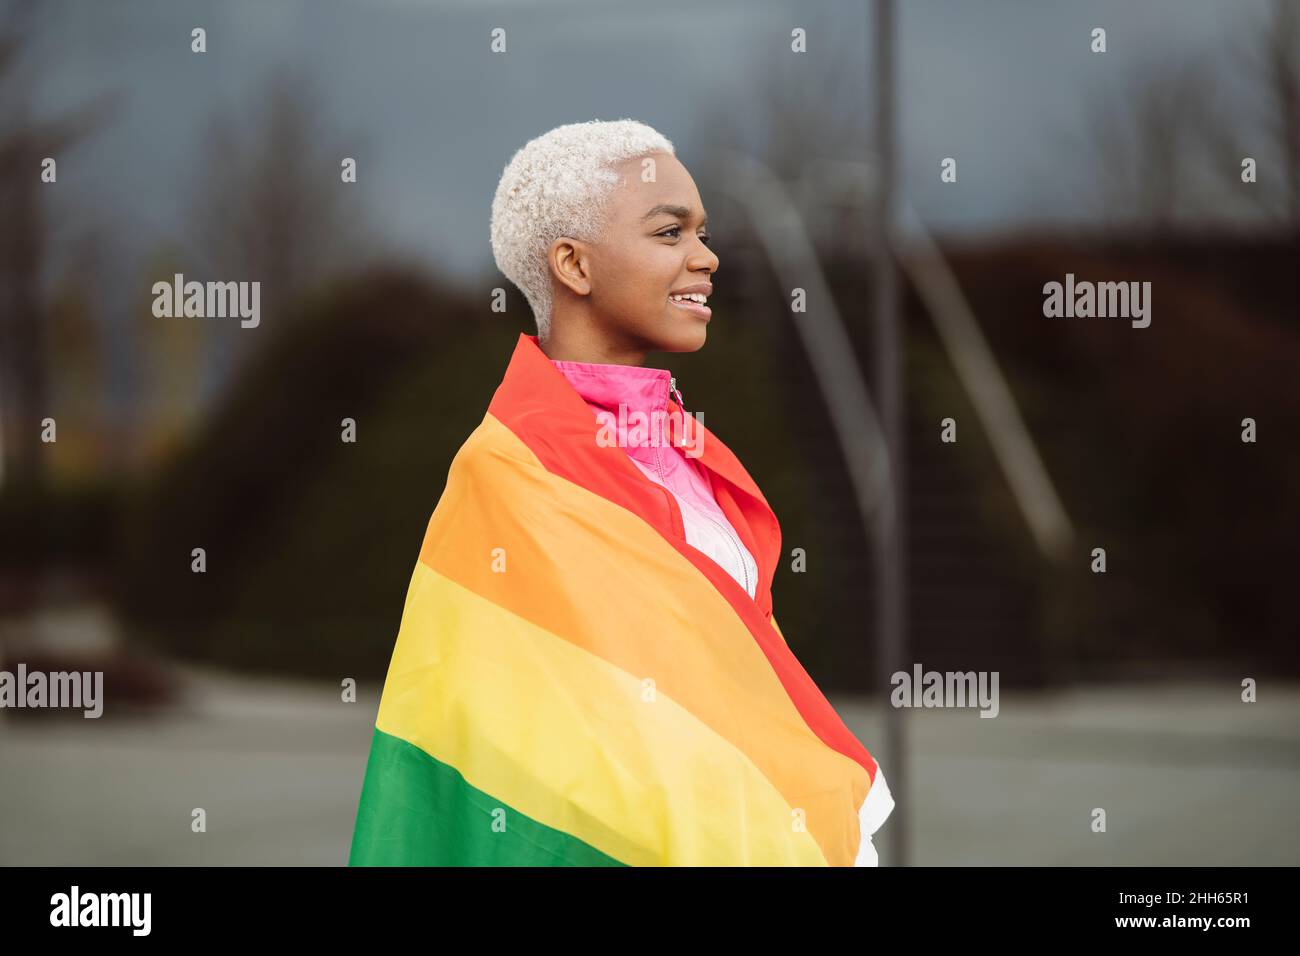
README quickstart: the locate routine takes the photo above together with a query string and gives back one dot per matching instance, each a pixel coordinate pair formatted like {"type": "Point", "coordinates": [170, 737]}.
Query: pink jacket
{"type": "Point", "coordinates": [646, 390]}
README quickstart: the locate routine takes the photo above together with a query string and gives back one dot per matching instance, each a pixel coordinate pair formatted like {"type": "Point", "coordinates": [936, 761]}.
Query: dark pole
{"type": "Point", "coordinates": [891, 582]}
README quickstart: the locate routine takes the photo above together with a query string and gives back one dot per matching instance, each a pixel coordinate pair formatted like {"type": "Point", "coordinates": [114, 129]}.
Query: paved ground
{"type": "Point", "coordinates": [1188, 775]}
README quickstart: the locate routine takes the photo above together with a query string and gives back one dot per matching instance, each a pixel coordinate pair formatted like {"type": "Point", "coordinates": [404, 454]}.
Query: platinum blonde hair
{"type": "Point", "coordinates": [557, 185]}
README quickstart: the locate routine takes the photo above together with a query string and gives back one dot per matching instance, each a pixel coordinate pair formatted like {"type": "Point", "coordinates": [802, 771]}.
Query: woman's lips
{"type": "Point", "coordinates": [703, 311]}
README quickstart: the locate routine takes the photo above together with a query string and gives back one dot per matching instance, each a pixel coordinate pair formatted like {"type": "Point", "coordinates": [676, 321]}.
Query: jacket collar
{"type": "Point", "coordinates": [536, 401]}
{"type": "Point", "coordinates": [631, 400]}
{"type": "Point", "coordinates": [638, 387]}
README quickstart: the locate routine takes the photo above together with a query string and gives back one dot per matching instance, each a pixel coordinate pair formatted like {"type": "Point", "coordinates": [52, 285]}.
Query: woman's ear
{"type": "Point", "coordinates": [570, 264]}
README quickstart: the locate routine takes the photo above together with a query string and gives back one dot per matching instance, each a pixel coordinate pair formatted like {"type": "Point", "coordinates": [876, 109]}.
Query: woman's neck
{"type": "Point", "coordinates": [568, 344]}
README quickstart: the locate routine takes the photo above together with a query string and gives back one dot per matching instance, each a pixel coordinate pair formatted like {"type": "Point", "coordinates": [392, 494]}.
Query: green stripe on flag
{"type": "Point", "coordinates": [418, 811]}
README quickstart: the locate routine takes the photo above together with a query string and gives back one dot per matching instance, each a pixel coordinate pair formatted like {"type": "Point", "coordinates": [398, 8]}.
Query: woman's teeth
{"type": "Point", "coordinates": [690, 297]}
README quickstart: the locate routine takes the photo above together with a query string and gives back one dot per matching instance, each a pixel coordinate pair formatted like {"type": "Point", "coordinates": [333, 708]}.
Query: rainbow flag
{"type": "Point", "coordinates": [573, 684]}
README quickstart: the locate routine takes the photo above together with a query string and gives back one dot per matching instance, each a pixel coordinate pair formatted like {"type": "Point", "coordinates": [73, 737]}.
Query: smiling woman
{"type": "Point", "coordinates": [588, 669]}
{"type": "Point", "coordinates": [603, 229]}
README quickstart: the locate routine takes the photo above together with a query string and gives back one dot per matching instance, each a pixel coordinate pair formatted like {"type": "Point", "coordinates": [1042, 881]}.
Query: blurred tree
{"type": "Point", "coordinates": [310, 539]}
{"type": "Point", "coordinates": [1277, 63]}
{"type": "Point", "coordinates": [172, 353]}
{"type": "Point", "coordinates": [1168, 143]}
{"type": "Point", "coordinates": [271, 206]}
{"type": "Point", "coordinates": [77, 349]}
{"type": "Point", "coordinates": [25, 249]}
{"type": "Point", "coordinates": [1148, 145]}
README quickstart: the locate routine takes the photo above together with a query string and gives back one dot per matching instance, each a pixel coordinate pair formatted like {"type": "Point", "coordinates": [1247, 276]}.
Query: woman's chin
{"type": "Point", "coordinates": [683, 334]}
{"type": "Point", "coordinates": [684, 340]}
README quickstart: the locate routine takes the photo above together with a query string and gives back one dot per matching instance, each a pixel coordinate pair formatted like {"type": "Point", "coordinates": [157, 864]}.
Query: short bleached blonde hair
{"type": "Point", "coordinates": [557, 185]}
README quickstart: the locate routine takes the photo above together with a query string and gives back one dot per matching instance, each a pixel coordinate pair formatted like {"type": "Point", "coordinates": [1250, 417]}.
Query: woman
{"type": "Point", "coordinates": [588, 670]}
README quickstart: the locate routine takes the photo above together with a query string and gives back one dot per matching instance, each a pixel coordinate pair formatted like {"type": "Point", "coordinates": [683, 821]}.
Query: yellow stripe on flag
{"type": "Point", "coordinates": [592, 573]}
{"type": "Point", "coordinates": [574, 743]}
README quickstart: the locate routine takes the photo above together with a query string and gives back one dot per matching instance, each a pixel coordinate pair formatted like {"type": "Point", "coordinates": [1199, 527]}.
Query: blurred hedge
{"type": "Point", "coordinates": [310, 541]}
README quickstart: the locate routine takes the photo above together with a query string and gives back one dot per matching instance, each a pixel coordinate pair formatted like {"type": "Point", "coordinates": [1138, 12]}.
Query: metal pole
{"type": "Point", "coordinates": [890, 556]}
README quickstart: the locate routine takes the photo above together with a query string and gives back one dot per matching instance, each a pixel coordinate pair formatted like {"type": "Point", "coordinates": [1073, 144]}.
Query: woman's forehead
{"type": "Point", "coordinates": [671, 192]}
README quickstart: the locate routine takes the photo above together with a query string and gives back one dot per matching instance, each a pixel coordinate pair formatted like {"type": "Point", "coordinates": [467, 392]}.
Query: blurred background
{"type": "Point", "coordinates": [1119, 689]}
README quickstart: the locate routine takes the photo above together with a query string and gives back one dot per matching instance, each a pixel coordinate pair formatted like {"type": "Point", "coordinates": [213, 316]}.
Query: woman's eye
{"type": "Point", "coordinates": [675, 231]}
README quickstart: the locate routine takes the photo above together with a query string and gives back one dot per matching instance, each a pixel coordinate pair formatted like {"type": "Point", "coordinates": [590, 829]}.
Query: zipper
{"type": "Point", "coordinates": [674, 508]}
{"type": "Point", "coordinates": [672, 387]}
{"type": "Point", "coordinates": [726, 532]}
{"type": "Point", "coordinates": [673, 390]}
{"type": "Point", "coordinates": [730, 535]}
{"type": "Point", "coordinates": [659, 465]}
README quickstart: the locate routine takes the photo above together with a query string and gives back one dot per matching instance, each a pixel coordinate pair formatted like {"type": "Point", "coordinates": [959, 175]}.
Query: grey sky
{"type": "Point", "coordinates": [435, 115]}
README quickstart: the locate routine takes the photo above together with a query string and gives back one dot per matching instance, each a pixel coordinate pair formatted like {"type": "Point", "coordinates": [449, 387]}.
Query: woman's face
{"type": "Point", "coordinates": [655, 245]}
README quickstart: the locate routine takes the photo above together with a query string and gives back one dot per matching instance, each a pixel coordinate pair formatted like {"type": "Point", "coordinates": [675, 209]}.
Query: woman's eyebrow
{"type": "Point", "coordinates": [681, 212]}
